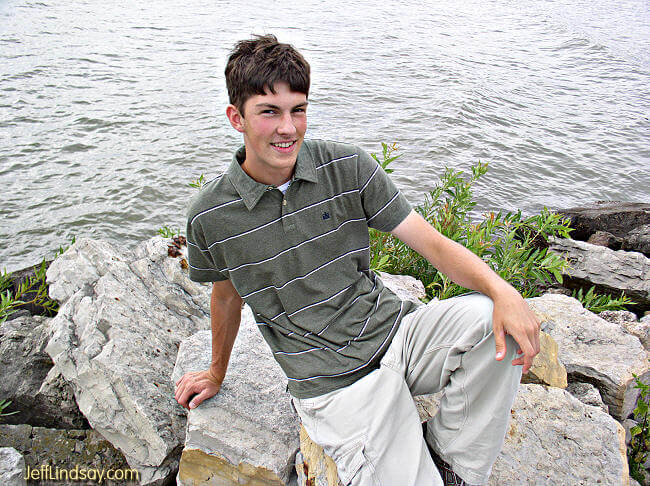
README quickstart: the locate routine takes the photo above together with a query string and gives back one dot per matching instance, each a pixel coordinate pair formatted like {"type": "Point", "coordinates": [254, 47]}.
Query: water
{"type": "Point", "coordinates": [107, 111]}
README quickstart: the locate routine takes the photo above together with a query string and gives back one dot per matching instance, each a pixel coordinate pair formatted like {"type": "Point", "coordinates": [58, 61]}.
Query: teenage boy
{"type": "Point", "coordinates": [285, 230]}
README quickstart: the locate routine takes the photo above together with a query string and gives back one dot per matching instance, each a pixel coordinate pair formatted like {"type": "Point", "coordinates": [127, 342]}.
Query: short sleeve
{"type": "Point", "coordinates": [383, 203]}
{"type": "Point", "coordinates": [203, 267]}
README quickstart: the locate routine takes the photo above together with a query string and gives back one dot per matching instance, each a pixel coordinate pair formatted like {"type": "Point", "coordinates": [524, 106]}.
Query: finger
{"type": "Point", "coordinates": [500, 342]}
{"type": "Point", "coordinates": [518, 361]}
{"type": "Point", "coordinates": [196, 401]}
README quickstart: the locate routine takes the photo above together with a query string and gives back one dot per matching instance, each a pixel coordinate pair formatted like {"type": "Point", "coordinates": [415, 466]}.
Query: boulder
{"type": "Point", "coordinates": [554, 439]}
{"type": "Point", "coordinates": [39, 394]}
{"type": "Point", "coordinates": [404, 286]}
{"type": "Point", "coordinates": [61, 449]}
{"type": "Point", "coordinates": [546, 368]}
{"type": "Point", "coordinates": [248, 433]}
{"type": "Point", "coordinates": [610, 271]}
{"type": "Point", "coordinates": [628, 321]}
{"type": "Point", "coordinates": [12, 467]}
{"type": "Point", "coordinates": [603, 238]}
{"type": "Point", "coordinates": [615, 217]}
{"type": "Point", "coordinates": [638, 239]}
{"type": "Point", "coordinates": [587, 394]}
{"type": "Point", "coordinates": [123, 315]}
{"type": "Point", "coordinates": [313, 466]}
{"type": "Point", "coordinates": [594, 351]}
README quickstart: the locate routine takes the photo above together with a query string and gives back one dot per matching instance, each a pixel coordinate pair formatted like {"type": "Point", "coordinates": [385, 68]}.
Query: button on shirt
{"type": "Point", "coordinates": [301, 260]}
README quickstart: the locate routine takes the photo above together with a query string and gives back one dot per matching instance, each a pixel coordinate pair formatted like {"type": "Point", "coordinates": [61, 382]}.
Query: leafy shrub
{"type": "Point", "coordinates": [637, 450]}
{"type": "Point", "coordinates": [507, 242]}
{"type": "Point", "coordinates": [31, 291]}
{"type": "Point", "coordinates": [601, 302]}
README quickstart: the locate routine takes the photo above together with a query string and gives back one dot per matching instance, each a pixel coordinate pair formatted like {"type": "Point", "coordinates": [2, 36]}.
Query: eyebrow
{"type": "Point", "coordinates": [269, 105]}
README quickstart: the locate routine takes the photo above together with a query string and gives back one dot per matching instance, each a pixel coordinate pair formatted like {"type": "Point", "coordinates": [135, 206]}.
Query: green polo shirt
{"type": "Point", "coordinates": [301, 260]}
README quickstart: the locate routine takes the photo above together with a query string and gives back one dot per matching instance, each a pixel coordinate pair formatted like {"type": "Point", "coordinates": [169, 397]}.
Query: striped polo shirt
{"type": "Point", "coordinates": [300, 260]}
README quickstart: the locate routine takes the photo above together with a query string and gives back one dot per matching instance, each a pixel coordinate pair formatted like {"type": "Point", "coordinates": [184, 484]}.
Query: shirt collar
{"type": "Point", "coordinates": [251, 191]}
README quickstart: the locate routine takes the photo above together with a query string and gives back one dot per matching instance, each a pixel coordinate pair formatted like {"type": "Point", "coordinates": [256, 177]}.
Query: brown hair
{"type": "Point", "coordinates": [257, 64]}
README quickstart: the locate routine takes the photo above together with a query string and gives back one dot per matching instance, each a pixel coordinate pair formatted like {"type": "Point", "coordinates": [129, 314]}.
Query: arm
{"type": "Point", "coordinates": [511, 313]}
{"type": "Point", "coordinates": [225, 315]}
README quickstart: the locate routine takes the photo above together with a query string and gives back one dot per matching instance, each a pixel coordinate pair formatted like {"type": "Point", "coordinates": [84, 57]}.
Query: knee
{"type": "Point", "coordinates": [482, 309]}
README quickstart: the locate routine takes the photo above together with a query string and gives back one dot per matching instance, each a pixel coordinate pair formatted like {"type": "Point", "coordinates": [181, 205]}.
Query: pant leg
{"type": "Point", "coordinates": [449, 345]}
{"type": "Point", "coordinates": [372, 431]}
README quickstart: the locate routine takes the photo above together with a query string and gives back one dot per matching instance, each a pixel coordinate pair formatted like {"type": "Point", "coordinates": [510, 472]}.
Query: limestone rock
{"type": "Point", "coordinates": [247, 433]}
{"type": "Point", "coordinates": [627, 320]}
{"type": "Point", "coordinates": [611, 271]}
{"type": "Point", "coordinates": [12, 467]}
{"type": "Point", "coordinates": [554, 439]}
{"type": "Point", "coordinates": [404, 286]}
{"type": "Point", "coordinates": [115, 338]}
{"type": "Point", "coordinates": [62, 449]}
{"type": "Point", "coordinates": [313, 466]}
{"type": "Point", "coordinates": [40, 396]}
{"type": "Point", "coordinates": [594, 351]}
{"type": "Point", "coordinates": [547, 368]}
{"type": "Point", "coordinates": [587, 394]}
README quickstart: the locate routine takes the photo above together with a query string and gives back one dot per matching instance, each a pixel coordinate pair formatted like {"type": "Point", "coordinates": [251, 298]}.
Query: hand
{"type": "Point", "coordinates": [200, 385]}
{"type": "Point", "coordinates": [513, 316]}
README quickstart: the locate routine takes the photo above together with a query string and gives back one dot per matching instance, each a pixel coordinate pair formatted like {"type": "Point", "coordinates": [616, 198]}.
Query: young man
{"type": "Point", "coordinates": [285, 230]}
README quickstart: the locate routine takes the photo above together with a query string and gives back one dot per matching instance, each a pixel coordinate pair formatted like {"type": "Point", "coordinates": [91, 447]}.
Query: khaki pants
{"type": "Point", "coordinates": [371, 428]}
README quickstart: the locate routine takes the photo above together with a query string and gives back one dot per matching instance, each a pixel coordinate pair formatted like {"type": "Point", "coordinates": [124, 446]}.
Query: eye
{"type": "Point", "coordinates": [268, 112]}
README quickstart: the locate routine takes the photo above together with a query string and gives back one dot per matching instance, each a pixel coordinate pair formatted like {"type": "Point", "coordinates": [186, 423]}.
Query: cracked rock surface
{"type": "Point", "coordinates": [248, 432]}
{"type": "Point", "coordinates": [123, 315]}
{"type": "Point", "coordinates": [594, 350]}
{"type": "Point", "coordinates": [556, 439]}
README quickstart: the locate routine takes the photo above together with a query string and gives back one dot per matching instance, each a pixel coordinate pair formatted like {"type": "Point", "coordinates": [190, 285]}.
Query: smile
{"type": "Point", "coordinates": [283, 144]}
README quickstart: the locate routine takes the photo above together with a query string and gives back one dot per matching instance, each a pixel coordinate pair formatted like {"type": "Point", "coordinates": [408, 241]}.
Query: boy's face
{"type": "Point", "coordinates": [274, 127]}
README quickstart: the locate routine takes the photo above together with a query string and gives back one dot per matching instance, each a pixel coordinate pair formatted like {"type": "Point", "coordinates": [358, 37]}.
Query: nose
{"type": "Point", "coordinates": [286, 126]}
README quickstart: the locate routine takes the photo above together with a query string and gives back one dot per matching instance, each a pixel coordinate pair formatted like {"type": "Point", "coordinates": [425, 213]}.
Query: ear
{"type": "Point", "coordinates": [236, 119]}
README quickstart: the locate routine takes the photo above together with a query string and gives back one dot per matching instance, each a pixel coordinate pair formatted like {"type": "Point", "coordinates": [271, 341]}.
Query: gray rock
{"type": "Point", "coordinates": [115, 339]}
{"type": "Point", "coordinates": [61, 449]}
{"type": "Point", "coordinates": [638, 239]}
{"type": "Point", "coordinates": [404, 286]}
{"type": "Point", "coordinates": [12, 467]}
{"type": "Point", "coordinates": [40, 397]}
{"type": "Point", "coordinates": [587, 394]}
{"type": "Point", "coordinates": [611, 271]}
{"type": "Point", "coordinates": [594, 351]}
{"type": "Point", "coordinates": [556, 439]}
{"type": "Point", "coordinates": [627, 320]}
{"type": "Point", "coordinates": [249, 429]}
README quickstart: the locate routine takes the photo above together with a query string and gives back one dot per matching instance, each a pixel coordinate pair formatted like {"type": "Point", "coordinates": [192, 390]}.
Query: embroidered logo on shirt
{"type": "Point", "coordinates": [326, 215]}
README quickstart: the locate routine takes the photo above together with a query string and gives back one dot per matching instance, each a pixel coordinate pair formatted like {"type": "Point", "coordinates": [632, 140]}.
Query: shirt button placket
{"type": "Point", "coordinates": [287, 224]}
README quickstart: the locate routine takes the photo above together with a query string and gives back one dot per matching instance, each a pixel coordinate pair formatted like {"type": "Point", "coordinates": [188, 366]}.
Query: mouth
{"type": "Point", "coordinates": [284, 146]}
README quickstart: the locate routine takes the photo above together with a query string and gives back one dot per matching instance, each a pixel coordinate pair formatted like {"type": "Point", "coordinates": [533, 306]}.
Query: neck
{"type": "Point", "coordinates": [267, 177]}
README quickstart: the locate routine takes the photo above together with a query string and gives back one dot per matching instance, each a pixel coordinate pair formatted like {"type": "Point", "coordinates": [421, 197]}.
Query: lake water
{"type": "Point", "coordinates": [108, 110]}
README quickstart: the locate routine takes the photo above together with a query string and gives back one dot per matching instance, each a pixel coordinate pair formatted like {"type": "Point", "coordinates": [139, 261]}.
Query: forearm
{"type": "Point", "coordinates": [225, 316]}
{"type": "Point", "coordinates": [452, 259]}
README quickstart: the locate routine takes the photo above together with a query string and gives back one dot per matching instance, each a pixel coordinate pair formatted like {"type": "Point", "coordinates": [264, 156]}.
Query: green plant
{"type": "Point", "coordinates": [197, 183]}
{"type": "Point", "coordinates": [167, 232]}
{"type": "Point", "coordinates": [637, 450]}
{"type": "Point", "coordinates": [4, 404]}
{"type": "Point", "coordinates": [507, 242]}
{"type": "Point", "coordinates": [387, 156]}
{"type": "Point", "coordinates": [33, 290]}
{"type": "Point", "coordinates": [601, 302]}
{"type": "Point", "coordinates": [62, 250]}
